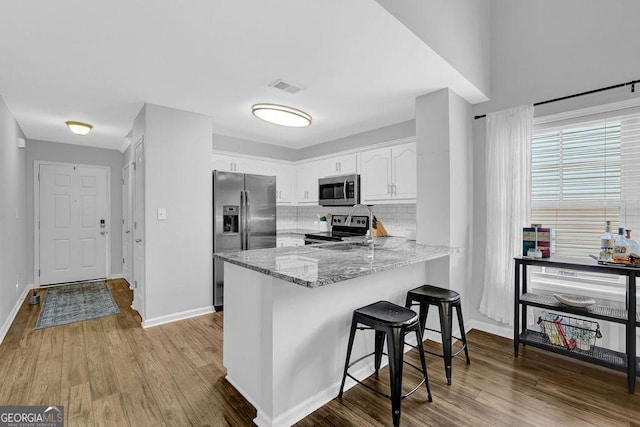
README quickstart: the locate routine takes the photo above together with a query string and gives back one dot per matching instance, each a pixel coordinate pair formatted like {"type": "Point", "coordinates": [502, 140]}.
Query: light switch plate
{"type": "Point", "coordinates": [162, 214]}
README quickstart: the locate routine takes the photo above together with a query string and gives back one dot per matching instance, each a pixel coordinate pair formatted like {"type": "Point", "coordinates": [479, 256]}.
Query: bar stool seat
{"type": "Point", "coordinates": [446, 300]}
{"type": "Point", "coordinates": [392, 322]}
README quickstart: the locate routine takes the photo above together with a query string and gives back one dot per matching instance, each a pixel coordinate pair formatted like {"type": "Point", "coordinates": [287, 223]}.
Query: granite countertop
{"type": "Point", "coordinates": [318, 265]}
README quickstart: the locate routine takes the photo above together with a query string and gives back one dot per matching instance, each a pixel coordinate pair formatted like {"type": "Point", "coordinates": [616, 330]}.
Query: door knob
{"type": "Point", "coordinates": [103, 233]}
{"type": "Point", "coordinates": [127, 232]}
{"type": "Point", "coordinates": [138, 240]}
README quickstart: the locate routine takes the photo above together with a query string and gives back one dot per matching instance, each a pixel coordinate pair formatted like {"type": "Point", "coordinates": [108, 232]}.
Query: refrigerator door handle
{"type": "Point", "coordinates": [247, 209]}
{"type": "Point", "coordinates": [242, 220]}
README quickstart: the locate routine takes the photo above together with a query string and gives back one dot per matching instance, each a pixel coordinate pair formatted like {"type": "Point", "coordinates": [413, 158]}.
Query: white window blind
{"type": "Point", "coordinates": [586, 171]}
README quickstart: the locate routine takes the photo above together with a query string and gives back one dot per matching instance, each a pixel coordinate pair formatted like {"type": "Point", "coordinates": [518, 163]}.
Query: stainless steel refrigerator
{"type": "Point", "coordinates": [244, 217]}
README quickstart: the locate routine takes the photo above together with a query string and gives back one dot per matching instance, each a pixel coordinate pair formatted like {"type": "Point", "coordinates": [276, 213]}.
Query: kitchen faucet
{"type": "Point", "coordinates": [369, 237]}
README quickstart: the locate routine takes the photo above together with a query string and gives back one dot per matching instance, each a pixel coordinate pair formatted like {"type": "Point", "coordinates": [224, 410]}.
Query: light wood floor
{"type": "Point", "coordinates": [110, 371]}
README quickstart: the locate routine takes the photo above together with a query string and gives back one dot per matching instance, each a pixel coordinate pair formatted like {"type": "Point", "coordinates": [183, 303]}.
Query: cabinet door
{"type": "Point", "coordinates": [347, 164]}
{"type": "Point", "coordinates": [404, 175]}
{"type": "Point", "coordinates": [307, 183]}
{"type": "Point", "coordinates": [284, 183]}
{"type": "Point", "coordinates": [284, 180]}
{"type": "Point", "coordinates": [222, 162]}
{"type": "Point", "coordinates": [375, 179]}
{"type": "Point", "coordinates": [246, 165]}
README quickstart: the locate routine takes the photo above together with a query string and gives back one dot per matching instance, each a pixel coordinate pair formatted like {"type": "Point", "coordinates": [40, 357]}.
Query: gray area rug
{"type": "Point", "coordinates": [76, 302]}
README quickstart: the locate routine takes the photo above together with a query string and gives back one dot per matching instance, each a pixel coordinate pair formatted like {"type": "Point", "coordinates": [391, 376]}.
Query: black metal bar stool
{"type": "Point", "coordinates": [446, 300]}
{"type": "Point", "coordinates": [394, 322]}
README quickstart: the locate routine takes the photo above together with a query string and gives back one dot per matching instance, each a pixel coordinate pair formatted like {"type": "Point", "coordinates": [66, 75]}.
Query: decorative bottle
{"type": "Point", "coordinates": [635, 245]}
{"type": "Point", "coordinates": [606, 244]}
{"type": "Point", "coordinates": [621, 248]}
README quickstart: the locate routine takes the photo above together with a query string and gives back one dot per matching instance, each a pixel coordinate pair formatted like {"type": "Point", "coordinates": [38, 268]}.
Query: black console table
{"type": "Point", "coordinates": [625, 362]}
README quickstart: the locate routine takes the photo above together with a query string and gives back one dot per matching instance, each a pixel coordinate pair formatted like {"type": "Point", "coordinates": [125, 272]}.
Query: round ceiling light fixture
{"type": "Point", "coordinates": [281, 115]}
{"type": "Point", "coordinates": [79, 128]}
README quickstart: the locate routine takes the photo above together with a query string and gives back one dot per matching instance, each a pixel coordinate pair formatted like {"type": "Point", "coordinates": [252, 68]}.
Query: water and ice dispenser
{"type": "Point", "coordinates": [230, 216]}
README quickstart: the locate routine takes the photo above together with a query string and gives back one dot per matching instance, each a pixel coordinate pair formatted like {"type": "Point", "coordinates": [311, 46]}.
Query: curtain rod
{"type": "Point", "coordinates": [589, 92]}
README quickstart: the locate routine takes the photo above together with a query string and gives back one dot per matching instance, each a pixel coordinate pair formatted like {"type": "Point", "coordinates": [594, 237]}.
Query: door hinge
{"type": "Point", "coordinates": [123, 260]}
{"type": "Point", "coordinates": [122, 181]}
{"type": "Point", "coordinates": [135, 225]}
{"type": "Point", "coordinates": [38, 272]}
{"type": "Point", "coordinates": [134, 165]}
{"type": "Point", "coordinates": [135, 283]}
{"type": "Point", "coordinates": [38, 225]}
{"type": "Point", "coordinates": [123, 221]}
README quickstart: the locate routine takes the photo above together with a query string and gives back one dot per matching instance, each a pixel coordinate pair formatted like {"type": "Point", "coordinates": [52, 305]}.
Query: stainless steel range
{"type": "Point", "coordinates": [340, 228]}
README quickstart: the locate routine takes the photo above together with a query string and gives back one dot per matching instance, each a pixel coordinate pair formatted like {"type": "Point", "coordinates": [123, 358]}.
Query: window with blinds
{"type": "Point", "coordinates": [584, 172]}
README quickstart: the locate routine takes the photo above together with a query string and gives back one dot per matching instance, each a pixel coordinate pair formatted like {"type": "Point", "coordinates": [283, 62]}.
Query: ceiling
{"type": "Point", "coordinates": [99, 62]}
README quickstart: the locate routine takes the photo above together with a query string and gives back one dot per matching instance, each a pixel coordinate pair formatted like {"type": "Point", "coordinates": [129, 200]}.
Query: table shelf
{"type": "Point", "coordinates": [596, 311]}
{"type": "Point", "coordinates": [628, 317]}
{"type": "Point", "coordinates": [597, 355]}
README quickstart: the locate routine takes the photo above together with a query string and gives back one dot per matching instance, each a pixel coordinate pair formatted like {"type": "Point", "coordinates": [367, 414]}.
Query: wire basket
{"type": "Point", "coordinates": [569, 332]}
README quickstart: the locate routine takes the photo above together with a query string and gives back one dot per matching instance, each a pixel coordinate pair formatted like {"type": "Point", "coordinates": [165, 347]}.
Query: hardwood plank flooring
{"type": "Point", "coordinates": [110, 371]}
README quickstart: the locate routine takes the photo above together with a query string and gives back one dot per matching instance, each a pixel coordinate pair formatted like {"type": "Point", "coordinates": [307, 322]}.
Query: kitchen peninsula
{"type": "Point", "coordinates": [288, 312]}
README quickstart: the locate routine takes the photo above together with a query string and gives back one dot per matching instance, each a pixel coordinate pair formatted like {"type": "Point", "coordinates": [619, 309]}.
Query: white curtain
{"type": "Point", "coordinates": [508, 171]}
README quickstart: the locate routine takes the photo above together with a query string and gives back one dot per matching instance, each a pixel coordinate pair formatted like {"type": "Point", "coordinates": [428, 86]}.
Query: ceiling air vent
{"type": "Point", "coordinates": [287, 87]}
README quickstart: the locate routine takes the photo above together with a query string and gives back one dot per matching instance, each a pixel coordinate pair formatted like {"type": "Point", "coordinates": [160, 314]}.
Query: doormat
{"type": "Point", "coordinates": [74, 303]}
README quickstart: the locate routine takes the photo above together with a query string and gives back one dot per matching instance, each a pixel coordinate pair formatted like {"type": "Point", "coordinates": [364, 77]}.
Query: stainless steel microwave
{"type": "Point", "coordinates": [339, 190]}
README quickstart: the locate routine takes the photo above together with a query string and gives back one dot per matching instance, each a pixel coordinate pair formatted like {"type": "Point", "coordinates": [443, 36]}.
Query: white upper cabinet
{"type": "Point", "coordinates": [226, 163]}
{"type": "Point", "coordinates": [222, 162]}
{"type": "Point", "coordinates": [340, 165]}
{"type": "Point", "coordinates": [389, 174]}
{"type": "Point", "coordinates": [404, 176]}
{"type": "Point", "coordinates": [307, 175]}
{"type": "Point", "coordinates": [284, 180]}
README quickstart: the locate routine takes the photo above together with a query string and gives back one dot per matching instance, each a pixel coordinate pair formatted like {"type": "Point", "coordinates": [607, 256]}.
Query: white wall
{"type": "Point", "coordinates": [546, 49]}
{"type": "Point", "coordinates": [178, 178]}
{"type": "Point", "coordinates": [67, 153]}
{"type": "Point", "coordinates": [13, 219]}
{"type": "Point", "coordinates": [445, 173]}
{"type": "Point", "coordinates": [458, 31]}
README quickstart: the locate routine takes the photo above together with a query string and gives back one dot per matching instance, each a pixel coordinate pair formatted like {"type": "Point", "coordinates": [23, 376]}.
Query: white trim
{"type": "Point", "coordinates": [125, 144]}
{"type": "Point", "coordinates": [357, 150]}
{"type": "Point", "coordinates": [36, 212]}
{"type": "Point", "coordinates": [14, 312]}
{"type": "Point", "coordinates": [116, 276]}
{"type": "Point", "coordinates": [177, 316]}
{"type": "Point", "coordinates": [501, 331]}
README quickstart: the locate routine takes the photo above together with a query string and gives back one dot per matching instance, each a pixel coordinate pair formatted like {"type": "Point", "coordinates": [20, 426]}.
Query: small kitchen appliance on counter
{"type": "Point", "coordinates": [340, 229]}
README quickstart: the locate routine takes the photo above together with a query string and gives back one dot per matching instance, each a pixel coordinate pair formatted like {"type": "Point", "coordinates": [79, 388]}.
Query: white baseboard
{"type": "Point", "coordinates": [116, 276]}
{"type": "Point", "coordinates": [14, 312]}
{"type": "Point", "coordinates": [177, 316]}
{"type": "Point", "coordinates": [502, 331]}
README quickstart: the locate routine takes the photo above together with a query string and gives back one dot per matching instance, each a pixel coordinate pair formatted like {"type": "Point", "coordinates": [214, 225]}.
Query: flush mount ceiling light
{"type": "Point", "coordinates": [281, 115]}
{"type": "Point", "coordinates": [79, 128]}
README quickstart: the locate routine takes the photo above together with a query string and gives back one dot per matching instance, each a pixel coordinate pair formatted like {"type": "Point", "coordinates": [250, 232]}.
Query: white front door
{"type": "Point", "coordinates": [138, 232]}
{"type": "Point", "coordinates": [73, 220]}
{"type": "Point", "coordinates": [127, 221]}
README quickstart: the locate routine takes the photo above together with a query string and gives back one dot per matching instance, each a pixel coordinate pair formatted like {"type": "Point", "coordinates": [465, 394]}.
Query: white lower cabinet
{"type": "Point", "coordinates": [283, 242]}
{"type": "Point", "coordinates": [389, 174]}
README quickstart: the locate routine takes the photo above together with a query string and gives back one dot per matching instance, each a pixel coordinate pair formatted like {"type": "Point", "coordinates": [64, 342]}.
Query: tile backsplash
{"type": "Point", "coordinates": [396, 218]}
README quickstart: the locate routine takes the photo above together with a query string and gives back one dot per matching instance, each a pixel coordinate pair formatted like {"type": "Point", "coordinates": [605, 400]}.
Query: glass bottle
{"type": "Point", "coordinates": [635, 245]}
{"type": "Point", "coordinates": [621, 248]}
{"type": "Point", "coordinates": [606, 244]}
